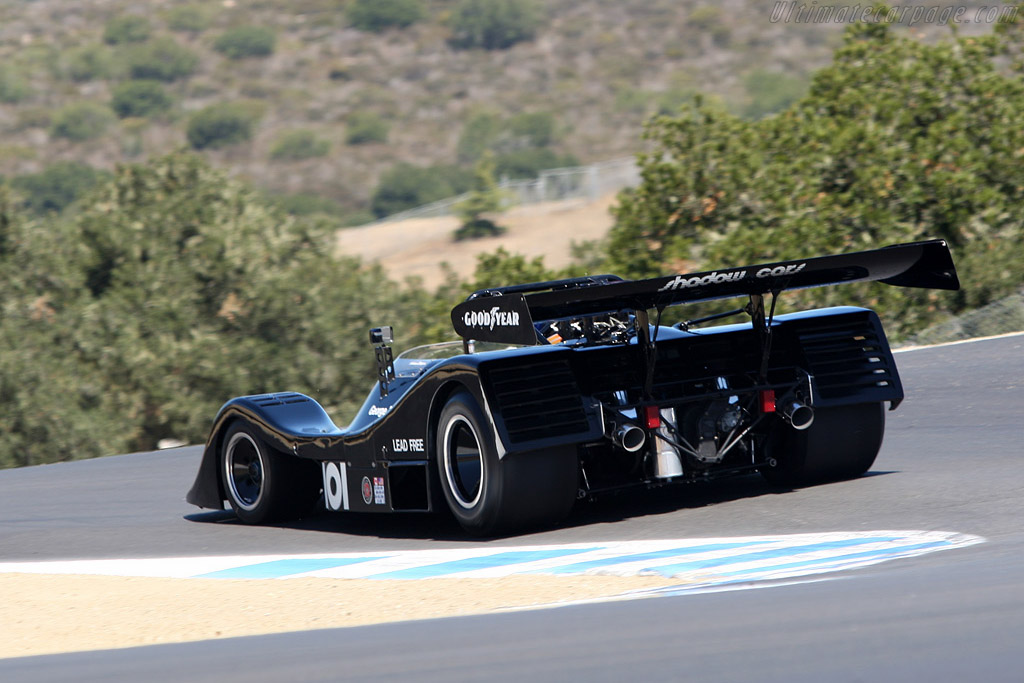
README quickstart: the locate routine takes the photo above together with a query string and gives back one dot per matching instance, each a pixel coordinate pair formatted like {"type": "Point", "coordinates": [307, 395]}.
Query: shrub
{"type": "Point", "coordinates": [87, 63]}
{"type": "Point", "coordinates": [296, 145]}
{"type": "Point", "coordinates": [364, 127]}
{"type": "Point", "coordinates": [479, 134]}
{"type": "Point", "coordinates": [528, 163]}
{"type": "Point", "coordinates": [534, 129]}
{"type": "Point", "coordinates": [710, 20]}
{"type": "Point", "coordinates": [187, 19]}
{"type": "Point", "coordinates": [126, 28]}
{"type": "Point", "coordinates": [57, 186]}
{"type": "Point", "coordinates": [13, 88]}
{"type": "Point", "coordinates": [219, 125]}
{"type": "Point", "coordinates": [305, 204]}
{"type": "Point", "coordinates": [379, 15]}
{"type": "Point", "coordinates": [406, 186]}
{"type": "Point", "coordinates": [81, 121]}
{"type": "Point", "coordinates": [245, 41]}
{"type": "Point", "coordinates": [494, 24]}
{"type": "Point", "coordinates": [140, 98]}
{"type": "Point", "coordinates": [162, 59]}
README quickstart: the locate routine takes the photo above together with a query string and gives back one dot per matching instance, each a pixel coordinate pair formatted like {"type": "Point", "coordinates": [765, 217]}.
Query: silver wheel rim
{"type": "Point", "coordinates": [244, 471]}
{"type": "Point", "coordinates": [463, 462]}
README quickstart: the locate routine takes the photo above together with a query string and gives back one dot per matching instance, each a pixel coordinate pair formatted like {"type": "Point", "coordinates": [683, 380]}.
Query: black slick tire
{"type": "Point", "coordinates": [489, 495]}
{"type": "Point", "coordinates": [841, 443]}
{"type": "Point", "coordinates": [262, 484]}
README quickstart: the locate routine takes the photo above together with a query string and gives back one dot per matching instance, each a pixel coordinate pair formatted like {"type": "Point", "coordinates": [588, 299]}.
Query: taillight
{"type": "Point", "coordinates": [652, 417]}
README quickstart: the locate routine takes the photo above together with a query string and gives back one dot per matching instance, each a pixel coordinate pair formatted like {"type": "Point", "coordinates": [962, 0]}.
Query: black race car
{"type": "Point", "coordinates": [568, 389]}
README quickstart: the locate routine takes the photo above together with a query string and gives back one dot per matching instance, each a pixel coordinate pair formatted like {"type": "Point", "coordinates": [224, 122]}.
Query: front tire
{"type": "Point", "coordinates": [489, 495]}
{"type": "Point", "coordinates": [841, 443]}
{"type": "Point", "coordinates": [262, 484]}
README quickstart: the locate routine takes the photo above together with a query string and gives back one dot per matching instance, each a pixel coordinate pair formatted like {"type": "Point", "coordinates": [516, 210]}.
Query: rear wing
{"type": "Point", "coordinates": [507, 314]}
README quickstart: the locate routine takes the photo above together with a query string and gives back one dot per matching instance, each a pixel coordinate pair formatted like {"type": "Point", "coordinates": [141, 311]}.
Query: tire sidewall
{"type": "Point", "coordinates": [262, 509]}
{"type": "Point", "coordinates": [482, 515]}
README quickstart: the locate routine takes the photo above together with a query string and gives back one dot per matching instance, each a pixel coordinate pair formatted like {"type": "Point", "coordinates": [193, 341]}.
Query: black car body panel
{"type": "Point", "coordinates": [537, 395]}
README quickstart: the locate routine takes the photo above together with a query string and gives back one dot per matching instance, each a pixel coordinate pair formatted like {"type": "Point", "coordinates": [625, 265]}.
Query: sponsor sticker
{"type": "Point", "coordinates": [780, 271]}
{"type": "Point", "coordinates": [719, 278]}
{"type": "Point", "coordinates": [713, 278]}
{"type": "Point", "coordinates": [407, 445]}
{"type": "Point", "coordinates": [378, 411]}
{"type": "Point", "coordinates": [367, 490]}
{"type": "Point", "coordinates": [378, 491]}
{"type": "Point", "coordinates": [488, 320]}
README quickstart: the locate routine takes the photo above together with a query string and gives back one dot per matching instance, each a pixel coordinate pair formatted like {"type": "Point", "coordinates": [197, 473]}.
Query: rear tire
{"type": "Point", "coordinates": [488, 495]}
{"type": "Point", "coordinates": [841, 443]}
{"type": "Point", "coordinates": [261, 483]}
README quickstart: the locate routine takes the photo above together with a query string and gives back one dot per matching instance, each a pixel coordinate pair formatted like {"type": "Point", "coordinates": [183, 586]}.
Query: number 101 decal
{"type": "Point", "coordinates": [335, 485]}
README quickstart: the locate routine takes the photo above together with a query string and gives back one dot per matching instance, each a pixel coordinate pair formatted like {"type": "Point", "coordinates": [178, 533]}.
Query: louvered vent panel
{"type": "Point", "coordinates": [538, 400]}
{"type": "Point", "coordinates": [847, 358]}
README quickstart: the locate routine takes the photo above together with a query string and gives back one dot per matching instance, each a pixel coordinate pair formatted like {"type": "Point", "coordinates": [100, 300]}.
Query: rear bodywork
{"type": "Point", "coordinates": [699, 395]}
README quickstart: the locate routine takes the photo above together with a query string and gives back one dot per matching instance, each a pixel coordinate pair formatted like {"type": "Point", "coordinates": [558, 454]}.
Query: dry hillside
{"type": "Point", "coordinates": [417, 247]}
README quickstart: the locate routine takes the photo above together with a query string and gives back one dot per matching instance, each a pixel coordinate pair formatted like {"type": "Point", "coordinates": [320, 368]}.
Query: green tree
{"type": "Point", "coordinates": [220, 125]}
{"type": "Point", "coordinates": [494, 24]}
{"type": "Point", "coordinates": [87, 63]}
{"type": "Point", "coordinates": [126, 28]}
{"type": "Point", "coordinates": [296, 145]}
{"type": "Point", "coordinates": [245, 41]}
{"type": "Point", "coordinates": [405, 186]}
{"type": "Point", "coordinates": [187, 19]}
{"type": "Point", "coordinates": [80, 121]}
{"type": "Point", "coordinates": [364, 127]}
{"type": "Point", "coordinates": [897, 140]}
{"type": "Point", "coordinates": [479, 134]}
{"type": "Point", "coordinates": [529, 162]}
{"type": "Point", "coordinates": [196, 288]}
{"type": "Point", "coordinates": [161, 59]}
{"type": "Point", "coordinates": [57, 186]}
{"type": "Point", "coordinates": [484, 200]}
{"type": "Point", "coordinates": [380, 15]}
{"type": "Point", "coordinates": [770, 92]}
{"type": "Point", "coordinates": [13, 88]}
{"type": "Point", "coordinates": [140, 98]}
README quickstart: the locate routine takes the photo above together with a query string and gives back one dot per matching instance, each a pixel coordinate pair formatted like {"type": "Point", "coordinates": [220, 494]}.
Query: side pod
{"type": "Point", "coordinates": [284, 419]}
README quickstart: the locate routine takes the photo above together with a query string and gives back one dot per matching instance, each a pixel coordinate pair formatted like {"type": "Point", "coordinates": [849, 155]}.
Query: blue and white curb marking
{"type": "Point", "coordinates": [691, 563]}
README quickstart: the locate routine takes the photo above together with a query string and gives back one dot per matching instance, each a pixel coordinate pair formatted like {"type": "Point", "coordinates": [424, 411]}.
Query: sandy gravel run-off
{"type": "Point", "coordinates": [47, 614]}
{"type": "Point", "coordinates": [418, 246]}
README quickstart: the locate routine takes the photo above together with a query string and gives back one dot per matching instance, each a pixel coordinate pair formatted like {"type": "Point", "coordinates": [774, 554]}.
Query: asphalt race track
{"type": "Point", "coordinates": [953, 460]}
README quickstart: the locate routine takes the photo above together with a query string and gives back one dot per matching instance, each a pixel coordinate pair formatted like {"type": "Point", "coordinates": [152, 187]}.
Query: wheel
{"type": "Point", "coordinates": [261, 483]}
{"type": "Point", "coordinates": [841, 443]}
{"type": "Point", "coordinates": [488, 495]}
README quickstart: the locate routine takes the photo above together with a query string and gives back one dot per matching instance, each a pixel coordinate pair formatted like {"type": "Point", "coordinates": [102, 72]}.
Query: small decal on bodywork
{"type": "Point", "coordinates": [407, 445]}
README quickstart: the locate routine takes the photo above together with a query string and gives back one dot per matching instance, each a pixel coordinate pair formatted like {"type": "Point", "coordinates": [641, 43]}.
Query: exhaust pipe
{"type": "Point", "coordinates": [629, 437]}
{"type": "Point", "coordinates": [798, 415]}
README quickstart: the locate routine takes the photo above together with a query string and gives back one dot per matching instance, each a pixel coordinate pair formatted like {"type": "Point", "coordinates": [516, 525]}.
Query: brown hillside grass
{"type": "Point", "coordinates": [418, 246]}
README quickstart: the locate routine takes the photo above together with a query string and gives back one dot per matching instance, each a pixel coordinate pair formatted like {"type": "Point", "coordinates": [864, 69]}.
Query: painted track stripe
{"type": "Point", "coordinates": [670, 553]}
{"type": "Point", "coordinates": [485, 562]}
{"type": "Point", "coordinates": [283, 568]}
{"type": "Point", "coordinates": [683, 567]}
{"type": "Point", "coordinates": [698, 564]}
{"type": "Point", "coordinates": [837, 561]}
